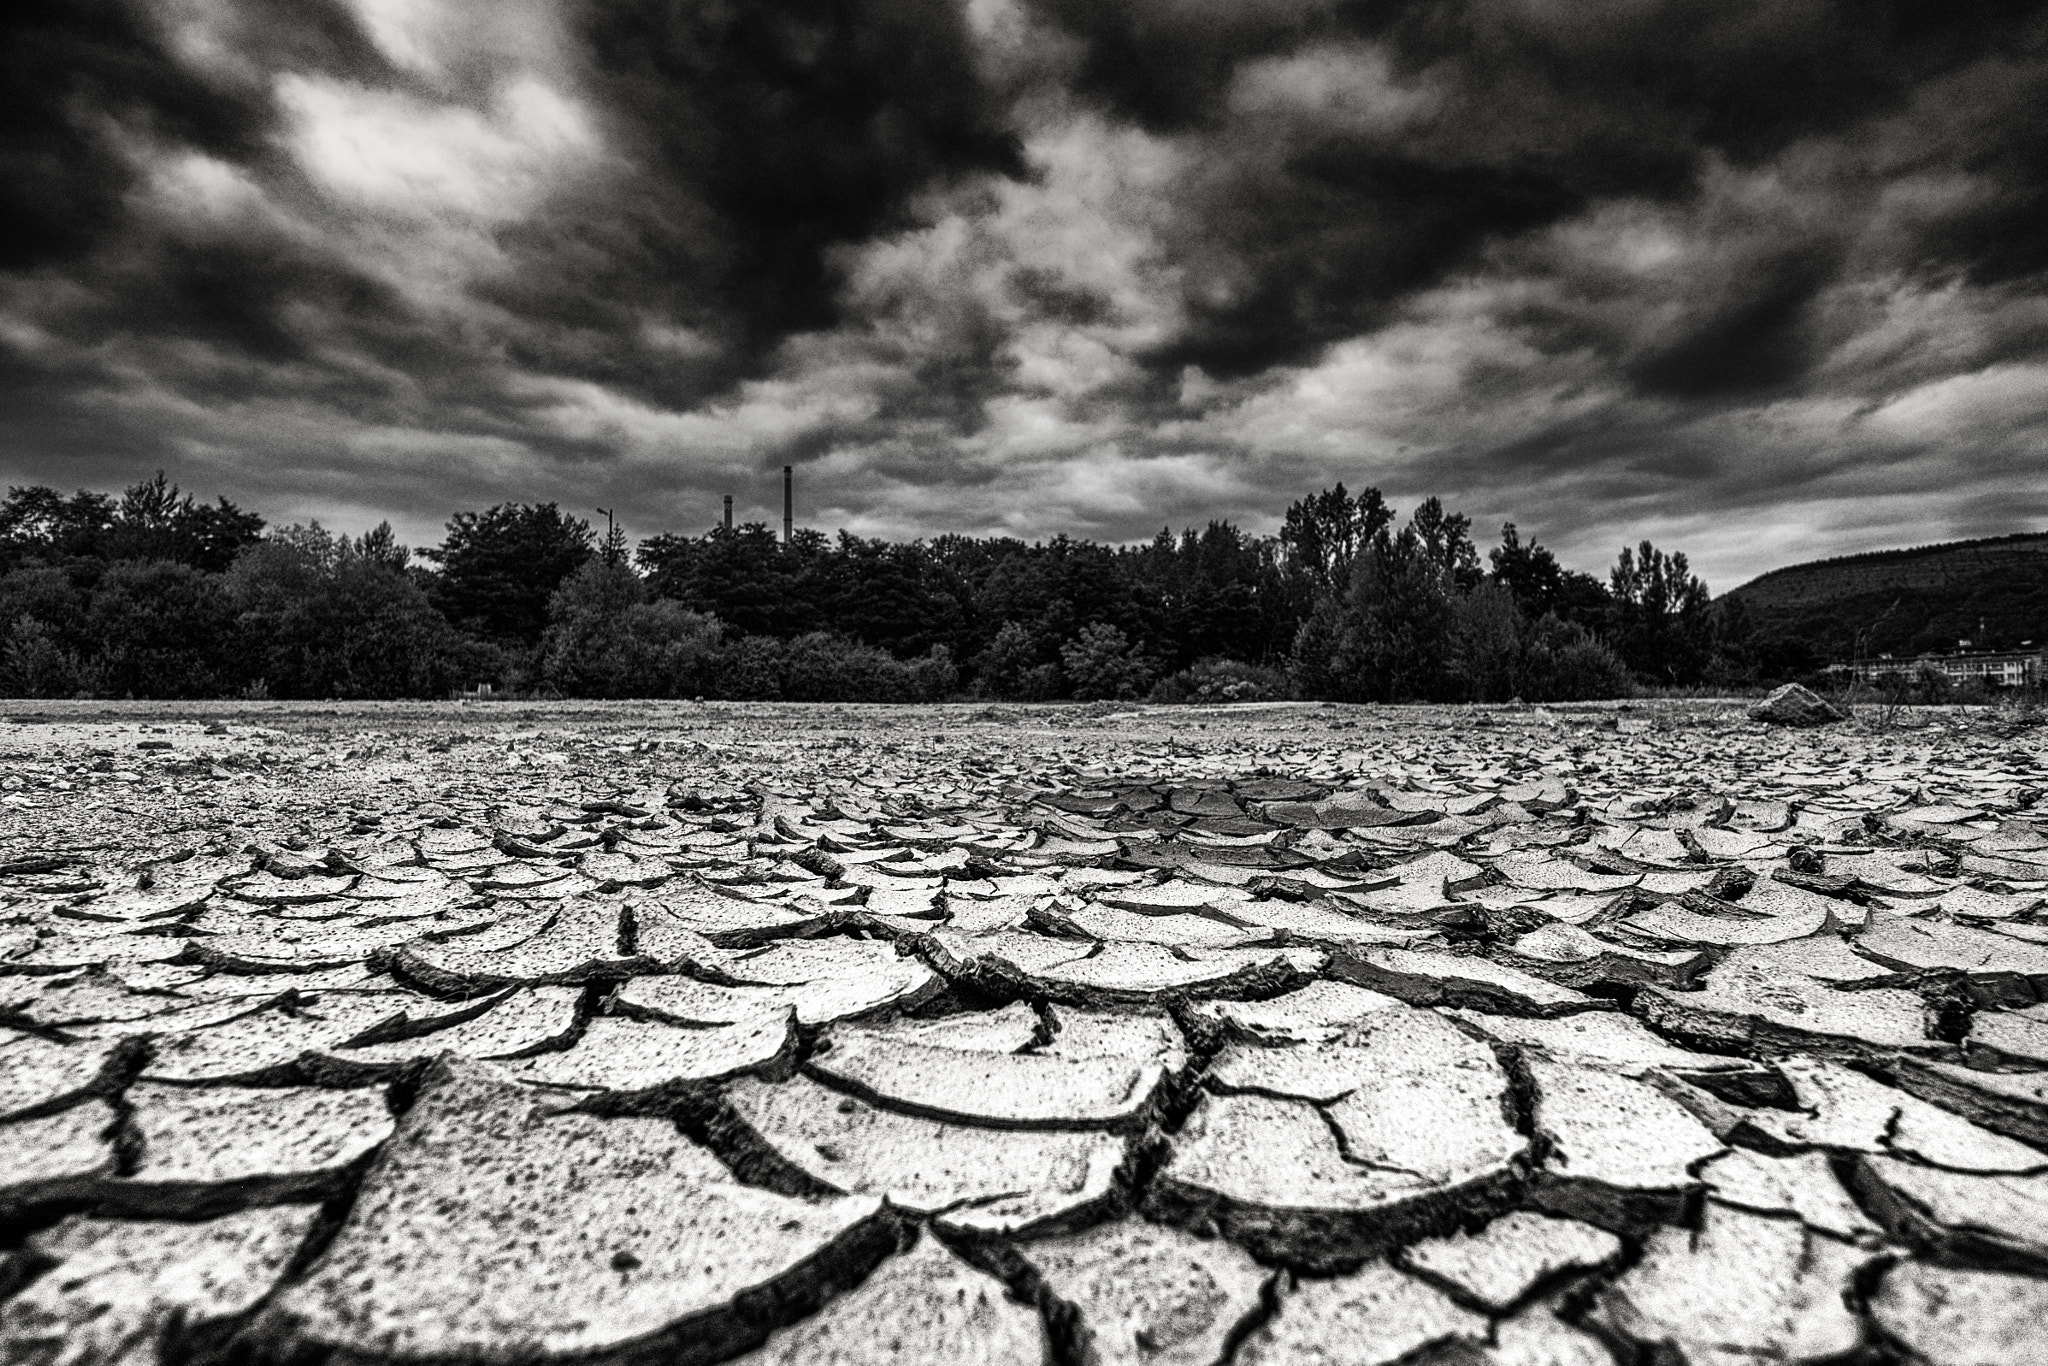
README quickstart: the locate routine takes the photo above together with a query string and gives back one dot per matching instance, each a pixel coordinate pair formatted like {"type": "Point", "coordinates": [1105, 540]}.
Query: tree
{"type": "Point", "coordinates": [744, 576]}
{"type": "Point", "coordinates": [605, 639]}
{"type": "Point", "coordinates": [33, 663]}
{"type": "Point", "coordinates": [162, 629]}
{"type": "Point", "coordinates": [154, 521]}
{"type": "Point", "coordinates": [1216, 592]}
{"type": "Point", "coordinates": [1663, 624]}
{"type": "Point", "coordinates": [1100, 663]}
{"type": "Point", "coordinates": [894, 596]}
{"type": "Point", "coordinates": [39, 523]}
{"type": "Point", "coordinates": [1444, 541]}
{"type": "Point", "coordinates": [1325, 532]}
{"type": "Point", "coordinates": [499, 568]}
{"type": "Point", "coordinates": [324, 616]}
{"type": "Point", "coordinates": [1391, 636]}
{"type": "Point", "coordinates": [1014, 664]}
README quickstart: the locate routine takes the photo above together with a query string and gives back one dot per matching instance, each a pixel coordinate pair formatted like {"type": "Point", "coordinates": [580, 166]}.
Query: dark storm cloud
{"type": "Point", "coordinates": [1752, 335]}
{"type": "Point", "coordinates": [76, 75]}
{"type": "Point", "coordinates": [1033, 264]}
{"type": "Point", "coordinates": [1535, 110]}
{"type": "Point", "coordinates": [762, 135]}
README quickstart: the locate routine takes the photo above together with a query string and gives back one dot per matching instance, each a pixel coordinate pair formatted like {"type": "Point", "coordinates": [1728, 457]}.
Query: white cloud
{"type": "Point", "coordinates": [397, 156]}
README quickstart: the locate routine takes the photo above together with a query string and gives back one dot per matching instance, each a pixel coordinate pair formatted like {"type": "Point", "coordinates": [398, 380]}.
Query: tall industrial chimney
{"type": "Point", "coordinates": [788, 504]}
{"type": "Point", "coordinates": [728, 512]}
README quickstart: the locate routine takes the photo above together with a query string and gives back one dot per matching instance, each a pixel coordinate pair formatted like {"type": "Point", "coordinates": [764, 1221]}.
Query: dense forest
{"type": "Point", "coordinates": [1992, 593]}
{"type": "Point", "coordinates": [154, 593]}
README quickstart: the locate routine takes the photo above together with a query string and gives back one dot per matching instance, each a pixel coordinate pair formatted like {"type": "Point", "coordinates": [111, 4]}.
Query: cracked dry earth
{"type": "Point", "coordinates": [1296, 1034]}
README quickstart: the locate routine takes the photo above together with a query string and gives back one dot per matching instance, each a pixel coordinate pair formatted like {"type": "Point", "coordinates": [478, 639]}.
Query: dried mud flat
{"type": "Point", "coordinates": [1290, 1034]}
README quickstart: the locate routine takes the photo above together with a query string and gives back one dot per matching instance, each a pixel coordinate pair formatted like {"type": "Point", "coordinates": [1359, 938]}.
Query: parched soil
{"type": "Point", "coordinates": [528, 1033]}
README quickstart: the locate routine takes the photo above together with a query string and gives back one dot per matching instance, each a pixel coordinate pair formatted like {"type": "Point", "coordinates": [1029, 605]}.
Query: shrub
{"type": "Point", "coordinates": [1101, 664]}
{"type": "Point", "coordinates": [34, 664]}
{"type": "Point", "coordinates": [1013, 666]}
{"type": "Point", "coordinates": [1221, 680]}
{"type": "Point", "coordinates": [604, 639]}
{"type": "Point", "coordinates": [164, 630]}
{"type": "Point", "coordinates": [1563, 662]}
{"type": "Point", "coordinates": [1489, 644]}
{"type": "Point", "coordinates": [48, 595]}
{"type": "Point", "coordinates": [323, 616]}
{"type": "Point", "coordinates": [825, 667]}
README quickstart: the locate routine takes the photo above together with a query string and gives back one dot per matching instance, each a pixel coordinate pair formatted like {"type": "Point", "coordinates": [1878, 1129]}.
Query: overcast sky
{"type": "Point", "coordinates": [1760, 280]}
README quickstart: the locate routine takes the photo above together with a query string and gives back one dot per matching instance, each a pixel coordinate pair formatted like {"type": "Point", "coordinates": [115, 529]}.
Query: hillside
{"type": "Point", "coordinates": [1992, 592]}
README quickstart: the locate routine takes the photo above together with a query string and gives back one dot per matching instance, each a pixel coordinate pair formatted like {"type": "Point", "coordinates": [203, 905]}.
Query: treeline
{"type": "Point", "coordinates": [155, 594]}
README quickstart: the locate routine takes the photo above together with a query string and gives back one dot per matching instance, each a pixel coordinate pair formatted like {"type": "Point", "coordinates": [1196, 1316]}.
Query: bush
{"type": "Point", "coordinates": [1577, 671]}
{"type": "Point", "coordinates": [1100, 664]}
{"type": "Point", "coordinates": [1013, 666]}
{"type": "Point", "coordinates": [1221, 680]}
{"type": "Point", "coordinates": [49, 596]}
{"type": "Point", "coordinates": [604, 639]}
{"type": "Point", "coordinates": [33, 664]}
{"type": "Point", "coordinates": [1489, 644]}
{"type": "Point", "coordinates": [324, 616]}
{"type": "Point", "coordinates": [826, 667]}
{"type": "Point", "coordinates": [165, 630]}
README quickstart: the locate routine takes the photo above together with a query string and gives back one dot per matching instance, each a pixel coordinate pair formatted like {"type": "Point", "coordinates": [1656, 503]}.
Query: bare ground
{"type": "Point", "coordinates": [534, 1032]}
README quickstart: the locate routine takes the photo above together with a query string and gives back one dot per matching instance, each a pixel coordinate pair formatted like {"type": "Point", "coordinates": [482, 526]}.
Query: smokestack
{"type": "Point", "coordinates": [728, 512]}
{"type": "Point", "coordinates": [788, 504]}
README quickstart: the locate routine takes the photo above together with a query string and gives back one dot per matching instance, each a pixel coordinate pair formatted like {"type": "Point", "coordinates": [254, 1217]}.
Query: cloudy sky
{"type": "Point", "coordinates": [1758, 279]}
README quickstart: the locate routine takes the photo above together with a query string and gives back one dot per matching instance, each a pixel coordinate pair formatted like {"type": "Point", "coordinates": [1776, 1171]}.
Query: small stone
{"type": "Point", "coordinates": [1793, 705]}
{"type": "Point", "coordinates": [1503, 1262]}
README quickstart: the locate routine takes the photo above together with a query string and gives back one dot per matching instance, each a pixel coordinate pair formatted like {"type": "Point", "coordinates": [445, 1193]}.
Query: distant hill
{"type": "Point", "coordinates": [1993, 593]}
